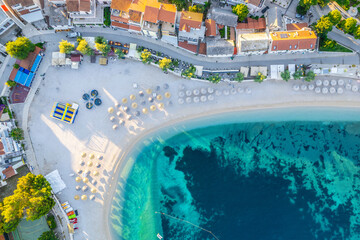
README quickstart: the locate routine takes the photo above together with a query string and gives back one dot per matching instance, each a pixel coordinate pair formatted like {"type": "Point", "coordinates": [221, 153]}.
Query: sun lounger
{"type": "Point", "coordinates": [70, 209]}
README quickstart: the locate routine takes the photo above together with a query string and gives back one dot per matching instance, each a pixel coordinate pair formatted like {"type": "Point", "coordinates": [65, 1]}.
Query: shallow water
{"type": "Point", "coordinates": [264, 180]}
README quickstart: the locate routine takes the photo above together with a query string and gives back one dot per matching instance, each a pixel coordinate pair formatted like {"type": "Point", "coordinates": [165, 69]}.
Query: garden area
{"type": "Point", "coordinates": [328, 45]}
{"type": "Point", "coordinates": [107, 20]}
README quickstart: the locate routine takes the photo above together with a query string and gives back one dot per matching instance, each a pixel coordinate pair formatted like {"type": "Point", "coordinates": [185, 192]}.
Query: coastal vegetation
{"type": "Point", "coordinates": [31, 199]}
{"type": "Point", "coordinates": [20, 48]}
{"type": "Point", "coordinates": [66, 47]}
{"type": "Point", "coordinates": [241, 10]}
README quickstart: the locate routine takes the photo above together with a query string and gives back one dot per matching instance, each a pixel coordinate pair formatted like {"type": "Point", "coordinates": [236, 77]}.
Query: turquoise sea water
{"type": "Point", "coordinates": [252, 175]}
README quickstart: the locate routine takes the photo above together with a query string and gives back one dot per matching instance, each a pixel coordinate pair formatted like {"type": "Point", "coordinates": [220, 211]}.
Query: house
{"type": "Point", "coordinates": [5, 22]}
{"type": "Point", "coordinates": [25, 10]}
{"type": "Point", "coordinates": [191, 31]}
{"type": "Point", "coordinates": [251, 26]}
{"type": "Point", "coordinates": [8, 147]}
{"type": "Point", "coordinates": [225, 20]}
{"type": "Point", "coordinates": [253, 43]}
{"type": "Point", "coordinates": [159, 14]}
{"type": "Point", "coordinates": [219, 47]}
{"type": "Point", "coordinates": [211, 28]}
{"type": "Point", "coordinates": [274, 19]}
{"type": "Point", "coordinates": [253, 5]}
{"type": "Point", "coordinates": [303, 40]}
{"type": "Point", "coordinates": [85, 11]}
{"type": "Point", "coordinates": [128, 14]}
{"type": "Point", "coordinates": [296, 26]}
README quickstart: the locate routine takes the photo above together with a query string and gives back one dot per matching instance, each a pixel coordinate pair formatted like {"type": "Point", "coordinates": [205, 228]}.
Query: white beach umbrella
{"type": "Point", "coordinates": [240, 90]}
{"type": "Point", "coordinates": [188, 93]}
{"type": "Point", "coordinates": [95, 173]}
{"type": "Point", "coordinates": [112, 118]}
{"type": "Point", "coordinates": [82, 162]}
{"type": "Point", "coordinates": [161, 106]}
{"type": "Point", "coordinates": [78, 179]}
{"type": "Point", "coordinates": [110, 110]}
{"type": "Point", "coordinates": [248, 91]}
{"type": "Point", "coordinates": [119, 113]}
{"type": "Point", "coordinates": [326, 83]}
{"type": "Point", "coordinates": [296, 87]}
{"type": "Point", "coordinates": [145, 111]}
{"type": "Point", "coordinates": [93, 190]}
{"type": "Point", "coordinates": [116, 104]}
{"type": "Point", "coordinates": [84, 188]}
{"type": "Point", "coordinates": [83, 154]}
{"type": "Point", "coordinates": [85, 180]}
{"type": "Point", "coordinates": [196, 92]}
{"type": "Point", "coordinates": [134, 105]}
{"type": "Point", "coordinates": [324, 90]}
{"type": "Point", "coordinates": [348, 86]}
{"type": "Point", "coordinates": [132, 97]}
{"type": "Point", "coordinates": [83, 197]}
{"type": "Point", "coordinates": [203, 91]}
{"type": "Point", "coordinates": [332, 90]}
{"type": "Point", "coordinates": [226, 92]}
{"type": "Point", "coordinates": [211, 97]}
{"type": "Point", "coordinates": [152, 107]}
{"type": "Point", "coordinates": [98, 165]}
{"type": "Point", "coordinates": [77, 188]}
{"type": "Point", "coordinates": [318, 83]}
{"type": "Point", "coordinates": [92, 197]}
{"type": "Point", "coordinates": [148, 91]}
{"type": "Point", "coordinates": [233, 91]}
{"type": "Point", "coordinates": [340, 90]}
{"type": "Point", "coordinates": [303, 87]}
{"type": "Point", "coordinates": [90, 164]}
{"type": "Point", "coordinates": [79, 171]}
{"type": "Point", "coordinates": [181, 101]}
{"type": "Point", "coordinates": [124, 100]}
{"type": "Point", "coordinates": [203, 98]}
{"type": "Point", "coordinates": [318, 90]}
{"type": "Point", "coordinates": [218, 92]}
{"type": "Point", "coordinates": [181, 94]}
{"type": "Point", "coordinates": [341, 82]}
{"type": "Point", "coordinates": [151, 99]}
{"type": "Point", "coordinates": [121, 121]}
{"type": "Point", "coordinates": [141, 93]}
{"type": "Point", "coordinates": [93, 182]}
{"type": "Point", "coordinates": [115, 126]}
{"type": "Point", "coordinates": [311, 87]}
{"type": "Point", "coordinates": [76, 197]}
{"type": "Point", "coordinates": [188, 100]}
{"type": "Point", "coordinates": [159, 97]}
{"type": "Point", "coordinates": [210, 90]}
{"type": "Point", "coordinates": [167, 95]}
{"type": "Point", "coordinates": [196, 99]}
{"type": "Point", "coordinates": [92, 156]}
{"type": "Point", "coordinates": [128, 117]}
{"type": "Point", "coordinates": [333, 82]}
{"type": "Point", "coordinates": [355, 88]}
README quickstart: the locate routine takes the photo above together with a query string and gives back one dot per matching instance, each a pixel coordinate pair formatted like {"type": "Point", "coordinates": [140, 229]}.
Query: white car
{"type": "Point", "coordinates": [73, 34]}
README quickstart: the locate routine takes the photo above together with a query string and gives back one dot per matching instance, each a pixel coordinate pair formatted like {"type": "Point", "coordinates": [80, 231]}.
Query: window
{"type": "Point", "coordinates": [290, 47]}
{"type": "Point", "coordinates": [311, 46]}
{"type": "Point", "coordinates": [274, 47]}
{"type": "Point", "coordinates": [295, 46]}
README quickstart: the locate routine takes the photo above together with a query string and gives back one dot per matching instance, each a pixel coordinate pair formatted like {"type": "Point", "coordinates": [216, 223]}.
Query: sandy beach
{"type": "Point", "coordinates": [59, 145]}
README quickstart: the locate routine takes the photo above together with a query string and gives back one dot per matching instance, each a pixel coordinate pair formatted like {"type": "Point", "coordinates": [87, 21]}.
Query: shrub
{"type": "Point", "coordinates": [10, 83]}
{"type": "Point", "coordinates": [259, 77]}
{"type": "Point", "coordinates": [164, 64]}
{"type": "Point", "coordinates": [51, 221]}
{"type": "Point", "coordinates": [239, 77]}
{"type": "Point", "coordinates": [107, 20]}
{"type": "Point", "coordinates": [215, 78]}
{"type": "Point", "coordinates": [16, 66]}
{"type": "Point", "coordinates": [17, 134]}
{"type": "Point", "coordinates": [145, 56]}
{"type": "Point", "coordinates": [49, 235]}
{"type": "Point", "coordinates": [241, 10]}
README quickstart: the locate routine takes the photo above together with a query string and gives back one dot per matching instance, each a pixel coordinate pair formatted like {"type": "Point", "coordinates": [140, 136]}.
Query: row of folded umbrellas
{"type": "Point", "coordinates": [326, 86]}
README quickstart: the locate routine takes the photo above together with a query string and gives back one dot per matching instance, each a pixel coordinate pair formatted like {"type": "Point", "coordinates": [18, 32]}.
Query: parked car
{"type": "Point", "coordinates": [298, 16]}
{"type": "Point", "coordinates": [73, 34]}
{"type": "Point", "coordinates": [264, 10]}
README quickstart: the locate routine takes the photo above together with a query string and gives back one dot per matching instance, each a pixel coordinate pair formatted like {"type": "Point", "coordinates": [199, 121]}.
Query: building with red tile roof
{"type": "Point", "coordinates": [210, 25]}
{"type": "Point", "coordinates": [191, 30]}
{"type": "Point", "coordinates": [9, 172]}
{"type": "Point", "coordinates": [296, 26]}
{"type": "Point", "coordinates": [251, 25]}
{"type": "Point", "coordinates": [293, 41]}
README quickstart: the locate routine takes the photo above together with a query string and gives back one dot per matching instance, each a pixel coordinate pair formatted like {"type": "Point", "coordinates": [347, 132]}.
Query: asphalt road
{"type": "Point", "coordinates": [209, 62]}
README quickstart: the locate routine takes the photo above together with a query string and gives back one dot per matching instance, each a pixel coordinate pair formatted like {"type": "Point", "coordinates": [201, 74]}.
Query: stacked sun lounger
{"type": "Point", "coordinates": [71, 213]}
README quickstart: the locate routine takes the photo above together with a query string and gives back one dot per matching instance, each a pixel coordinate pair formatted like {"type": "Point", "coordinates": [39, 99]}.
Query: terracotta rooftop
{"type": "Point", "coordinates": [28, 62]}
{"type": "Point", "coordinates": [72, 5]}
{"type": "Point", "coordinates": [85, 5]}
{"type": "Point", "coordinates": [135, 28]}
{"type": "Point", "coordinates": [2, 152]}
{"type": "Point", "coordinates": [151, 14]}
{"type": "Point", "coordinates": [138, 5]}
{"type": "Point", "coordinates": [210, 27]}
{"type": "Point", "coordinates": [120, 25]}
{"type": "Point", "coordinates": [167, 13]}
{"type": "Point", "coordinates": [293, 40]}
{"type": "Point", "coordinates": [254, 2]}
{"type": "Point", "coordinates": [24, 3]}
{"type": "Point", "coordinates": [135, 16]}
{"type": "Point", "coordinates": [121, 5]}
{"type": "Point", "coordinates": [9, 172]}
{"type": "Point", "coordinates": [251, 23]}
{"type": "Point", "coordinates": [296, 26]}
{"type": "Point", "coordinates": [13, 74]}
{"type": "Point", "coordinates": [119, 19]}
{"type": "Point", "coordinates": [190, 20]}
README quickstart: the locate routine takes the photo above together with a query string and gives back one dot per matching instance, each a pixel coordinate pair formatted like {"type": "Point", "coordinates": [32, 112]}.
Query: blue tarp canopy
{"type": "Point", "coordinates": [24, 76]}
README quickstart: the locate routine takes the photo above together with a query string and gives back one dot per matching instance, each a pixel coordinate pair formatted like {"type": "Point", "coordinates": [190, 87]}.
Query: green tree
{"type": "Point", "coordinates": [302, 10]}
{"type": "Point", "coordinates": [308, 2]}
{"type": "Point", "coordinates": [145, 56]}
{"type": "Point", "coordinates": [323, 25]}
{"type": "Point", "coordinates": [84, 48]}
{"type": "Point", "coordinates": [66, 47]}
{"type": "Point", "coordinates": [16, 66]}
{"type": "Point", "coordinates": [164, 63]}
{"type": "Point", "coordinates": [197, 8]}
{"type": "Point", "coordinates": [285, 75]}
{"type": "Point", "coordinates": [10, 83]}
{"type": "Point", "coordinates": [104, 48]}
{"type": "Point", "coordinates": [310, 76]}
{"type": "Point", "coordinates": [239, 77]}
{"type": "Point", "coordinates": [20, 48]}
{"type": "Point", "coordinates": [215, 78]}
{"type": "Point", "coordinates": [241, 10]}
{"type": "Point", "coordinates": [259, 77]}
{"type": "Point", "coordinates": [119, 53]}
{"type": "Point", "coordinates": [11, 212]}
{"type": "Point", "coordinates": [357, 32]}
{"type": "Point", "coordinates": [350, 25]}
{"type": "Point", "coordinates": [334, 16]}
{"type": "Point", "coordinates": [323, 3]}
{"type": "Point", "coordinates": [49, 235]}
{"type": "Point", "coordinates": [17, 134]}
{"type": "Point", "coordinates": [100, 39]}
{"type": "Point", "coordinates": [297, 75]}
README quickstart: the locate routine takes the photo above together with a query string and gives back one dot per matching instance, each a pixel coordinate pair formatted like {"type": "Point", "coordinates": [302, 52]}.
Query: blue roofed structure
{"type": "Point", "coordinates": [25, 76]}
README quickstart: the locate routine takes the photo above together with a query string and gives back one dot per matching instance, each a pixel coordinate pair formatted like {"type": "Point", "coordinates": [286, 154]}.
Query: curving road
{"type": "Point", "coordinates": [208, 62]}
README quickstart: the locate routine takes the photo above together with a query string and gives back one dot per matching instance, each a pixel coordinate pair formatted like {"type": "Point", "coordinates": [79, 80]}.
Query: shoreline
{"type": "Point", "coordinates": [129, 148]}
